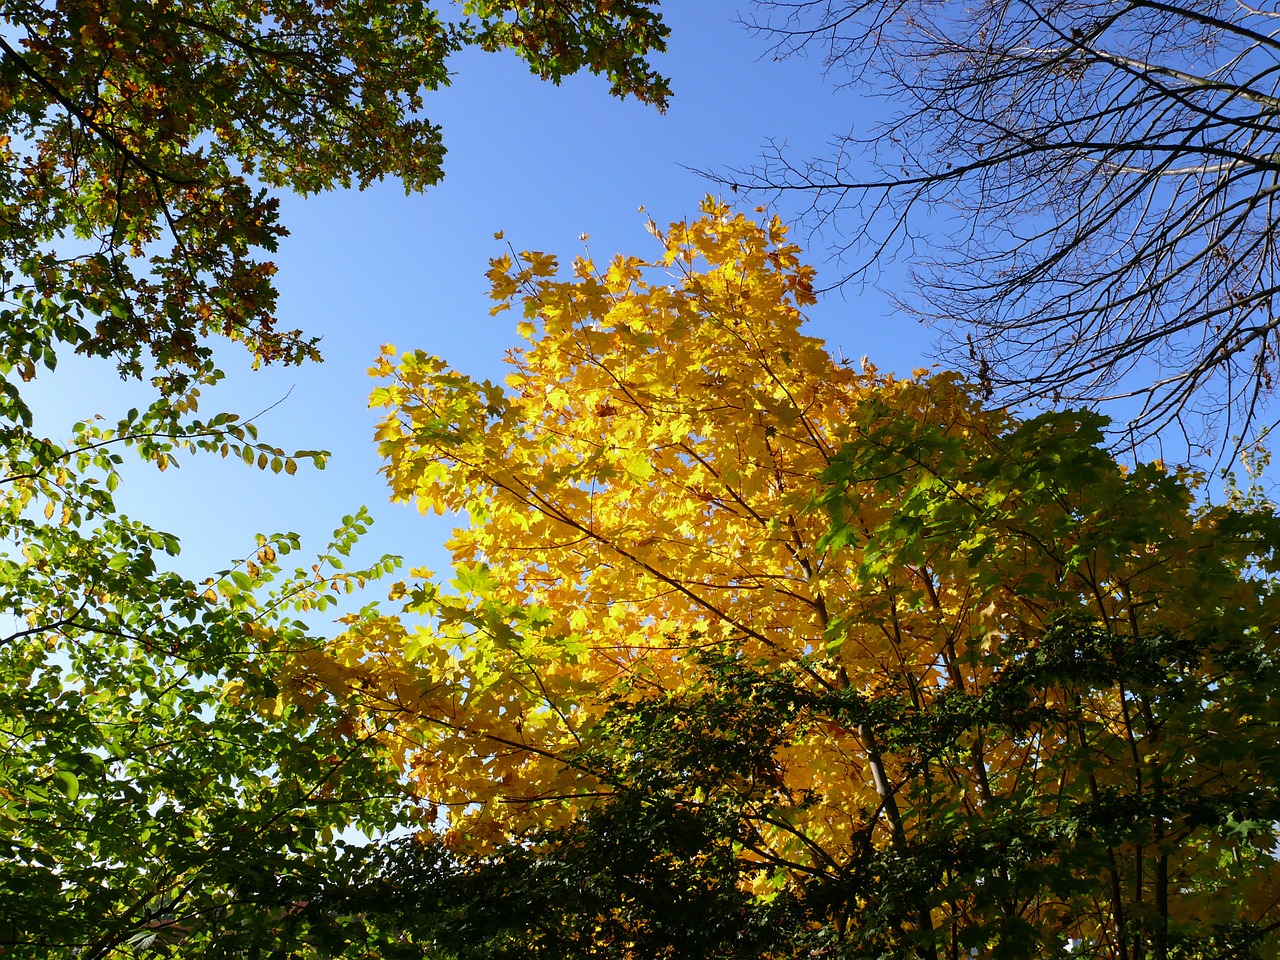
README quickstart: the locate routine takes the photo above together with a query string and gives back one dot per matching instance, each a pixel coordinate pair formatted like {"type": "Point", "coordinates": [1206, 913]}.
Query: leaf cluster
{"type": "Point", "coordinates": [948, 679]}
{"type": "Point", "coordinates": [168, 784]}
{"type": "Point", "coordinates": [141, 145]}
{"type": "Point", "coordinates": [153, 791]}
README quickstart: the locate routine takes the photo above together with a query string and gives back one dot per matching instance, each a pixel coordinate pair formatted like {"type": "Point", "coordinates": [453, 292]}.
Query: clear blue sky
{"type": "Point", "coordinates": [544, 164]}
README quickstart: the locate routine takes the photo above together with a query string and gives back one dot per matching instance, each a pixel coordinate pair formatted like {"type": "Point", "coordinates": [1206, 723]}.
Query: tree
{"type": "Point", "coordinates": [141, 805]}
{"type": "Point", "coordinates": [931, 678]}
{"type": "Point", "coordinates": [638, 877]}
{"type": "Point", "coordinates": [140, 144]}
{"type": "Point", "coordinates": [153, 790]}
{"type": "Point", "coordinates": [1100, 178]}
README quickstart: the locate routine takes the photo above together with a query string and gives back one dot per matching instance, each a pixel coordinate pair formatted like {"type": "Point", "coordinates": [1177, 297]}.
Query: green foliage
{"type": "Point", "coordinates": [140, 144]}
{"type": "Point", "coordinates": [1068, 750]}
{"type": "Point", "coordinates": [152, 790]}
{"type": "Point", "coordinates": [663, 867]}
{"type": "Point", "coordinates": [612, 38]}
{"type": "Point", "coordinates": [639, 877]}
{"type": "Point", "coordinates": [157, 794]}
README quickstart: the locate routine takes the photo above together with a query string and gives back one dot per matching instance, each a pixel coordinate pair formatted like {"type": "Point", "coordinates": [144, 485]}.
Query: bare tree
{"type": "Point", "coordinates": [1101, 179]}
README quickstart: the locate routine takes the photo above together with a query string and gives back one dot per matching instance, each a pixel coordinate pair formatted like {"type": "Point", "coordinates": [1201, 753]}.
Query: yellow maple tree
{"type": "Point", "coordinates": [674, 471]}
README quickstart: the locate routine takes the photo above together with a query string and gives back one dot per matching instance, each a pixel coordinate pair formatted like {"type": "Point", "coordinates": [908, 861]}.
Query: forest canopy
{"type": "Point", "coordinates": [142, 145]}
{"type": "Point", "coordinates": [143, 150]}
{"type": "Point", "coordinates": [929, 676]}
{"type": "Point", "coordinates": [744, 651]}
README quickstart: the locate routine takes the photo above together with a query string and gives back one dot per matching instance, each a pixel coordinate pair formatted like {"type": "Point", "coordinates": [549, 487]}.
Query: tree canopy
{"type": "Point", "coordinates": [155, 794]}
{"type": "Point", "coordinates": [928, 677]}
{"type": "Point", "coordinates": [140, 144]}
{"type": "Point", "coordinates": [747, 652]}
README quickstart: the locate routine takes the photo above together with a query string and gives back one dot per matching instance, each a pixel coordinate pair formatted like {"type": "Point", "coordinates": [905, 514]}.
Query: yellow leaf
{"type": "Point", "coordinates": [677, 485]}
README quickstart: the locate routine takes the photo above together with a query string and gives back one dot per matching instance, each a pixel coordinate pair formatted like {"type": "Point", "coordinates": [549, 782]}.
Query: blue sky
{"type": "Point", "coordinates": [542, 163]}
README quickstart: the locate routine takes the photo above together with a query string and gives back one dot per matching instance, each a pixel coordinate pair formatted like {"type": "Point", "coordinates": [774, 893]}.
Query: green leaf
{"type": "Point", "coordinates": [66, 781]}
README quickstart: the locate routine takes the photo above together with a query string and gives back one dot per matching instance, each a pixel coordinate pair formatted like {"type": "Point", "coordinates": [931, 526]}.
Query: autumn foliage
{"type": "Point", "coordinates": [954, 680]}
{"type": "Point", "coordinates": [141, 145]}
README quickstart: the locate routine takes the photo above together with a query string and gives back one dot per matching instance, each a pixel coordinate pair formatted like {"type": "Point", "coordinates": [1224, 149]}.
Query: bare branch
{"type": "Point", "coordinates": [1105, 176]}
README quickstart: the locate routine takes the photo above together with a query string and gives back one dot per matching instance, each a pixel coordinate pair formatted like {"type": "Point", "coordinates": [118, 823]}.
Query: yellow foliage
{"type": "Point", "coordinates": [666, 470]}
